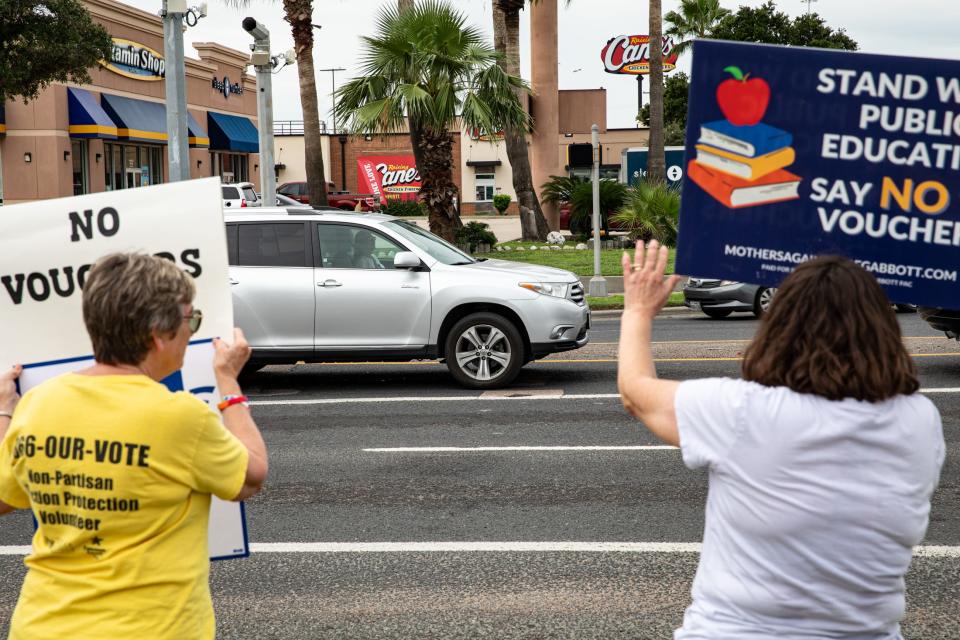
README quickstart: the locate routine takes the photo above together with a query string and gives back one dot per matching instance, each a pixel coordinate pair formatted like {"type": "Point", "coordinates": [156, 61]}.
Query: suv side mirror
{"type": "Point", "coordinates": [406, 260]}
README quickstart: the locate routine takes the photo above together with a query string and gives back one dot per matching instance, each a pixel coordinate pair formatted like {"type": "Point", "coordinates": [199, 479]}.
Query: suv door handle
{"type": "Point", "coordinates": [329, 283]}
{"type": "Point", "coordinates": [232, 281]}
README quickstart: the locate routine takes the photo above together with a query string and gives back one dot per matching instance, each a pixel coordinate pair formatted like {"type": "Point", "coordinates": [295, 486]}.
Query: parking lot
{"type": "Point", "coordinates": [402, 506]}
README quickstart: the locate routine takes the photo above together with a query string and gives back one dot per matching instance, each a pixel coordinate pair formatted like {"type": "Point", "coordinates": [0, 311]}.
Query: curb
{"type": "Point", "coordinates": [666, 311]}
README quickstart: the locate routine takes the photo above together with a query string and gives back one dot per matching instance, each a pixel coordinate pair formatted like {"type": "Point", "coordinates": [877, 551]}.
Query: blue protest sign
{"type": "Point", "coordinates": [795, 152]}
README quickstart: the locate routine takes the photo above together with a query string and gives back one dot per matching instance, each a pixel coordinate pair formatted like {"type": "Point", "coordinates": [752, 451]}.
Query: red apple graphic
{"type": "Point", "coordinates": [742, 99]}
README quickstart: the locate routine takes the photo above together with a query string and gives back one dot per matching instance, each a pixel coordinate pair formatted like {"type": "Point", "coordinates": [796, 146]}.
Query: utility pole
{"type": "Point", "coordinates": [598, 284]}
{"type": "Point", "coordinates": [808, 3]}
{"type": "Point", "coordinates": [178, 151]}
{"type": "Point", "coordinates": [333, 94]}
{"type": "Point", "coordinates": [263, 64]}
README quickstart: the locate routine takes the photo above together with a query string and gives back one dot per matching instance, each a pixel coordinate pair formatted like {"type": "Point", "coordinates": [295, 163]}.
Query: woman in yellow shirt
{"type": "Point", "coordinates": [119, 471]}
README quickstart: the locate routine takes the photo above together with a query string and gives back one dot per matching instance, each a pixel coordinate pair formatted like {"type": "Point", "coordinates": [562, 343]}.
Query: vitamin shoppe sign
{"type": "Point", "coordinates": [135, 60]}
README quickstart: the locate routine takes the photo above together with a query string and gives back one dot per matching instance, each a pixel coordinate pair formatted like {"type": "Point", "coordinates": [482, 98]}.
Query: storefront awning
{"type": "Point", "coordinates": [137, 120]}
{"type": "Point", "coordinates": [484, 163]}
{"type": "Point", "coordinates": [196, 133]}
{"type": "Point", "coordinates": [232, 133]}
{"type": "Point", "coordinates": [87, 117]}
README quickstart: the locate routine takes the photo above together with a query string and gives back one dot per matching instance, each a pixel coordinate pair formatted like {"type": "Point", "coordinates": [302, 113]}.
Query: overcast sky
{"type": "Point", "coordinates": [926, 28]}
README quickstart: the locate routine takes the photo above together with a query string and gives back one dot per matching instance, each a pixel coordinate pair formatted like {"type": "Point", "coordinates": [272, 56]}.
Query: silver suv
{"type": "Point", "coordinates": [330, 286]}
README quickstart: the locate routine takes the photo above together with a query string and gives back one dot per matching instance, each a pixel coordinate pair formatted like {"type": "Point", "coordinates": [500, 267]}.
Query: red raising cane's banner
{"type": "Point", "coordinates": [631, 55]}
{"type": "Point", "coordinates": [390, 177]}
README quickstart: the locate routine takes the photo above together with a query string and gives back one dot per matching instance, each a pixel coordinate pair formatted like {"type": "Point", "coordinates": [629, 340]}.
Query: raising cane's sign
{"type": "Point", "coordinates": [390, 177]}
{"type": "Point", "coordinates": [631, 55]}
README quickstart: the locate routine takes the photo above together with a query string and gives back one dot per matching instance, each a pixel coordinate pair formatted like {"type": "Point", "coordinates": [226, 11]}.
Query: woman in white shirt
{"type": "Point", "coordinates": [822, 459]}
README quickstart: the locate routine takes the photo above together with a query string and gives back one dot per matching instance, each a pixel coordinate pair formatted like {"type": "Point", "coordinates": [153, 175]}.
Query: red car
{"type": "Point", "coordinates": [340, 200]}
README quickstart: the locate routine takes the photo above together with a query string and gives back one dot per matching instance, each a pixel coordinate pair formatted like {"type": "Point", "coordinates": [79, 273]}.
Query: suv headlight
{"type": "Point", "coordinates": [555, 289]}
{"type": "Point", "coordinates": [724, 283]}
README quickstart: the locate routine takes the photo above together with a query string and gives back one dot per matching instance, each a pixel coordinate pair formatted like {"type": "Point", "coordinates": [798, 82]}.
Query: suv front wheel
{"type": "Point", "coordinates": [484, 351]}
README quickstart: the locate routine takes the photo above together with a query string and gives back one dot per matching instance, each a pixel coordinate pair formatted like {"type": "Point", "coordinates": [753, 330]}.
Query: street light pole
{"type": "Point", "coordinates": [263, 64]}
{"type": "Point", "coordinates": [598, 284]}
{"type": "Point", "coordinates": [333, 94]}
{"type": "Point", "coordinates": [178, 151]}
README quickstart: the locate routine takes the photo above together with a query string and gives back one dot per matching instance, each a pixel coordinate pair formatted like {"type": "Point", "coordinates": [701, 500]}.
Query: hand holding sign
{"type": "Point", "coordinates": [8, 389]}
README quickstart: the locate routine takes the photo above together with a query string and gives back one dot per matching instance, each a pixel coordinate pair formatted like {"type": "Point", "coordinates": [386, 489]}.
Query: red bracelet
{"type": "Point", "coordinates": [229, 401]}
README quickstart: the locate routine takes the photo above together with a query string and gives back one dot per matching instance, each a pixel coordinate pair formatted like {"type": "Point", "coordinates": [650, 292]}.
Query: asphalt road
{"type": "Point", "coordinates": [503, 536]}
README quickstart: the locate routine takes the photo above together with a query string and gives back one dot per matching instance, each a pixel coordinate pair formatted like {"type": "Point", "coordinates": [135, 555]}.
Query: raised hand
{"type": "Point", "coordinates": [645, 290]}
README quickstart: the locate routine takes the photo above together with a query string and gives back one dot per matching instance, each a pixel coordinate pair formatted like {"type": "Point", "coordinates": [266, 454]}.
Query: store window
{"type": "Point", "coordinates": [81, 180]}
{"type": "Point", "coordinates": [485, 183]}
{"type": "Point", "coordinates": [231, 167]}
{"type": "Point", "coordinates": [129, 165]}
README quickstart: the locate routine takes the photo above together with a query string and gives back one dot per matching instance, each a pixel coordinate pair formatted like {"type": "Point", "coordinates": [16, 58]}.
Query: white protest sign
{"type": "Point", "coordinates": [46, 250]}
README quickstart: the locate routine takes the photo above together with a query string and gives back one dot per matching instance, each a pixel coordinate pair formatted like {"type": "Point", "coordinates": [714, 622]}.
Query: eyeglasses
{"type": "Point", "coordinates": [193, 320]}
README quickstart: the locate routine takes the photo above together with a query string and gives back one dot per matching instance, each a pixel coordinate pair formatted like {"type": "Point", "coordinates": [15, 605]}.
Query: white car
{"type": "Point", "coordinates": [328, 285]}
{"type": "Point", "coordinates": [239, 194]}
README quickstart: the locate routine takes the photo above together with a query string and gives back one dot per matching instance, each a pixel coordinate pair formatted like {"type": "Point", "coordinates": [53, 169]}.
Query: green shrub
{"type": "Point", "coordinates": [475, 233]}
{"type": "Point", "coordinates": [403, 208]}
{"type": "Point", "coordinates": [578, 193]}
{"type": "Point", "coordinates": [501, 201]}
{"type": "Point", "coordinates": [651, 212]}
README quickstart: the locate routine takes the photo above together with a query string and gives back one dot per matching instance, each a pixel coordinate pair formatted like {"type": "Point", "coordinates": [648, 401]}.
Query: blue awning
{"type": "Point", "coordinates": [137, 120]}
{"type": "Point", "coordinates": [87, 117]}
{"type": "Point", "coordinates": [232, 133]}
{"type": "Point", "coordinates": [196, 133]}
{"type": "Point", "coordinates": [3, 119]}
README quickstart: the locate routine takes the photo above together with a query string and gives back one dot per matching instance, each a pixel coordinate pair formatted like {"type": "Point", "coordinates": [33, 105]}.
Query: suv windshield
{"type": "Point", "coordinates": [438, 248]}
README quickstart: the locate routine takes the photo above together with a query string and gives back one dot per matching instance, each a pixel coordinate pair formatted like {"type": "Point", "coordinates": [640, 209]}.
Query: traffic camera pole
{"type": "Point", "coordinates": [178, 151]}
{"type": "Point", "coordinates": [598, 284]}
{"type": "Point", "coordinates": [263, 64]}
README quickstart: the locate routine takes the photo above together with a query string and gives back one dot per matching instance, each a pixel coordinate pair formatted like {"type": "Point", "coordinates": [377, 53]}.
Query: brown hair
{"type": "Point", "coordinates": [126, 296]}
{"type": "Point", "coordinates": [831, 331]}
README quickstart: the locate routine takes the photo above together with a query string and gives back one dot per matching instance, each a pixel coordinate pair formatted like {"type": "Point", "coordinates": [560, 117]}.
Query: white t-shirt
{"type": "Point", "coordinates": [813, 509]}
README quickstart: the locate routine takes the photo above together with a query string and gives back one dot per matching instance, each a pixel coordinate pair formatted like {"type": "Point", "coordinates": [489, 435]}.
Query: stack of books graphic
{"type": "Point", "coordinates": [743, 166]}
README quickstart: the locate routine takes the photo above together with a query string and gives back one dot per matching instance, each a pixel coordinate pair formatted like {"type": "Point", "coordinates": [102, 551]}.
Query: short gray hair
{"type": "Point", "coordinates": [126, 296]}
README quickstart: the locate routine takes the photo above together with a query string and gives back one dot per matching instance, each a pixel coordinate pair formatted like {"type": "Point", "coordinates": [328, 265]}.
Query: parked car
{"type": "Point", "coordinates": [946, 320]}
{"type": "Point", "coordinates": [284, 201]}
{"type": "Point", "coordinates": [337, 199]}
{"type": "Point", "coordinates": [239, 194]}
{"type": "Point", "coordinates": [720, 298]}
{"type": "Point", "coordinates": [323, 286]}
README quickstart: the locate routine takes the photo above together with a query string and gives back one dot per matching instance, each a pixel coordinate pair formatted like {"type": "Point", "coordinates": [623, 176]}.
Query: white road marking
{"type": "Point", "coordinates": [522, 448]}
{"type": "Point", "coordinates": [485, 398]}
{"type": "Point", "coordinates": [509, 546]}
{"type": "Point", "coordinates": [522, 395]}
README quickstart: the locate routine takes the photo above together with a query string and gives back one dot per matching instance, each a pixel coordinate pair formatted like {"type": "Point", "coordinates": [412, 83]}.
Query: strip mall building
{"type": "Point", "coordinates": [111, 134]}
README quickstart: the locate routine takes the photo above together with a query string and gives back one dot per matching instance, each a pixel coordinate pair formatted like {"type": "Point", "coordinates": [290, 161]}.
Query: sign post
{"type": "Point", "coordinates": [263, 64]}
{"type": "Point", "coordinates": [178, 150]}
{"type": "Point", "coordinates": [598, 284]}
{"type": "Point", "coordinates": [793, 153]}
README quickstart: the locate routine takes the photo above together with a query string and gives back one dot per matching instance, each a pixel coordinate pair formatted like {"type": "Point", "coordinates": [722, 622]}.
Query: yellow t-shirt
{"type": "Point", "coordinates": [118, 472]}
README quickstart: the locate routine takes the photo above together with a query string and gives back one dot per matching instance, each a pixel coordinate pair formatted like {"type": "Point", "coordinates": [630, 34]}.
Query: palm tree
{"type": "Point", "coordinates": [656, 163]}
{"type": "Point", "coordinates": [506, 40]}
{"type": "Point", "coordinates": [299, 14]}
{"type": "Point", "coordinates": [696, 19]}
{"type": "Point", "coordinates": [425, 67]}
{"type": "Point", "coordinates": [403, 5]}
